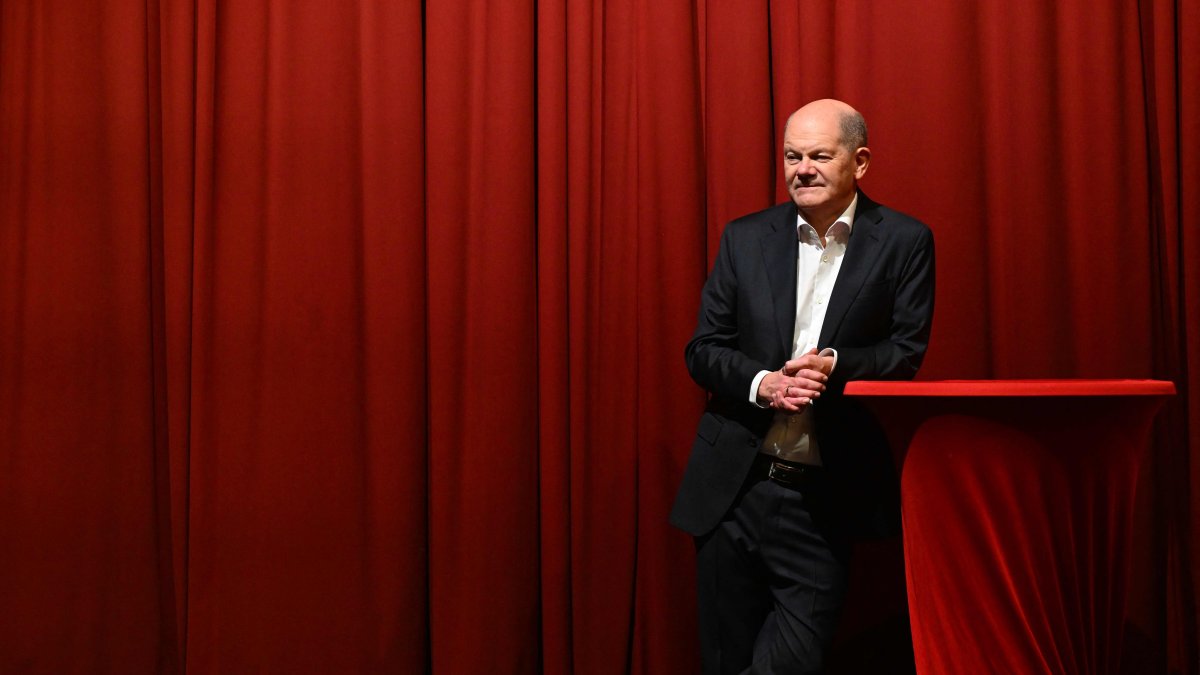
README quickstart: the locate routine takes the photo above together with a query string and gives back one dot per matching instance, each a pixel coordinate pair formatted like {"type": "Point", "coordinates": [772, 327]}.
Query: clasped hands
{"type": "Point", "coordinates": [798, 384]}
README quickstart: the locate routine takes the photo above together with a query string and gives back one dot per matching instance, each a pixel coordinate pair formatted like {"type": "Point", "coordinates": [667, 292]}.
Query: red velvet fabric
{"type": "Point", "coordinates": [346, 336]}
{"type": "Point", "coordinates": [1018, 502]}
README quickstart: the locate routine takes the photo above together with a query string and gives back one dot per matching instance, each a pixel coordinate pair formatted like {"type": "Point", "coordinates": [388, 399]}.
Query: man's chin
{"type": "Point", "coordinates": [807, 198]}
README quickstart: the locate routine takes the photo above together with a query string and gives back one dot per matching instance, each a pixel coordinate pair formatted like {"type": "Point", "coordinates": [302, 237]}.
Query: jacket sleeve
{"type": "Point", "coordinates": [715, 357]}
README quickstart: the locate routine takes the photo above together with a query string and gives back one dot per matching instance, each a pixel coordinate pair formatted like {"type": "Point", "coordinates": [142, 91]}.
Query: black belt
{"type": "Point", "coordinates": [794, 475]}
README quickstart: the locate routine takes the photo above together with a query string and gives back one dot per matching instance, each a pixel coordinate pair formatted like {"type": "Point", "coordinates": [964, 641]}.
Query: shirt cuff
{"type": "Point", "coordinates": [829, 351]}
{"type": "Point", "coordinates": [754, 386]}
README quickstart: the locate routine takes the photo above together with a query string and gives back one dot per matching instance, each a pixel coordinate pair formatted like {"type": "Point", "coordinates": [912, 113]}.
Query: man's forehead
{"type": "Point", "coordinates": [810, 128]}
{"type": "Point", "coordinates": [809, 139]}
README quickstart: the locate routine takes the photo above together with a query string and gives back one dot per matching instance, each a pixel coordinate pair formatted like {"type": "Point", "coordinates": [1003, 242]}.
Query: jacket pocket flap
{"type": "Point", "coordinates": [709, 428]}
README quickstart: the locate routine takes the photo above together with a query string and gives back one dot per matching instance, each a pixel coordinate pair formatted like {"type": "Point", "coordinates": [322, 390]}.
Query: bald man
{"type": "Point", "coordinates": [784, 472]}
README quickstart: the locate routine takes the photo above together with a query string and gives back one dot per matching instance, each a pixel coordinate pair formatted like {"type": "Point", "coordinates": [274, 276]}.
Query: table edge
{"type": "Point", "coordinates": [1009, 388]}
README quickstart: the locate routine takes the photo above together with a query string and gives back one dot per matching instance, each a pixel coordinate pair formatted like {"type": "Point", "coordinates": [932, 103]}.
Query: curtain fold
{"type": "Point", "coordinates": [79, 486]}
{"type": "Point", "coordinates": [300, 309]}
{"type": "Point", "coordinates": [482, 333]}
{"type": "Point", "coordinates": [347, 336]}
{"type": "Point", "coordinates": [1170, 52]}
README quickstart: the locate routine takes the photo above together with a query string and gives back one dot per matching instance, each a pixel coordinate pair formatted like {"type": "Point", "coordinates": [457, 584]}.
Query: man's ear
{"type": "Point", "coordinates": [862, 160]}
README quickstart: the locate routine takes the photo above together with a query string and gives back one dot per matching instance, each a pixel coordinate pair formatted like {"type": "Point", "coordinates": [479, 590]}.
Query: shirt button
{"type": "Point", "coordinates": [825, 259]}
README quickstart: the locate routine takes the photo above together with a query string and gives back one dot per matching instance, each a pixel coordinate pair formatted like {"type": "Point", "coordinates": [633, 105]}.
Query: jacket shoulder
{"type": "Point", "coordinates": [901, 223]}
{"type": "Point", "coordinates": [760, 222]}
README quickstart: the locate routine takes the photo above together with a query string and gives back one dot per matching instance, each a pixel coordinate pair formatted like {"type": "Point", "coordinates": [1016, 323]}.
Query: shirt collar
{"type": "Point", "coordinates": [847, 218]}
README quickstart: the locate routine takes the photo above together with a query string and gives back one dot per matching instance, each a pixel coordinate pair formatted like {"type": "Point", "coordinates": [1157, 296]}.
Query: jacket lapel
{"type": "Point", "coordinates": [862, 251]}
{"type": "Point", "coordinates": [779, 257]}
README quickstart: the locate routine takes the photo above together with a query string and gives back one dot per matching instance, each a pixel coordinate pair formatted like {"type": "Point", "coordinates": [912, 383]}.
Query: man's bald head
{"type": "Point", "coordinates": [850, 122]}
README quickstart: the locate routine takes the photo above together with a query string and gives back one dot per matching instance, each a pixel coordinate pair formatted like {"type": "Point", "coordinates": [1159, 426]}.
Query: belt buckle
{"type": "Point", "coordinates": [784, 474]}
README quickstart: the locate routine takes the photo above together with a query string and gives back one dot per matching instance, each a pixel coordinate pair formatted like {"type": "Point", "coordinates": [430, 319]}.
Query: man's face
{"type": "Point", "coordinates": [821, 173]}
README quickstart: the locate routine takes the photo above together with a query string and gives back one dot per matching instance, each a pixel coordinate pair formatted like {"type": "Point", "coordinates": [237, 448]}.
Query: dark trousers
{"type": "Point", "coordinates": [772, 580]}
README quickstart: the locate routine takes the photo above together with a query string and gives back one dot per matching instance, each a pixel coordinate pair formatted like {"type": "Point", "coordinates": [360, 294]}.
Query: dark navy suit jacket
{"type": "Point", "coordinates": [878, 320]}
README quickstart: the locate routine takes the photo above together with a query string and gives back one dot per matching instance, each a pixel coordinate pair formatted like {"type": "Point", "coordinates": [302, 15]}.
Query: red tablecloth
{"type": "Point", "coordinates": [1018, 506]}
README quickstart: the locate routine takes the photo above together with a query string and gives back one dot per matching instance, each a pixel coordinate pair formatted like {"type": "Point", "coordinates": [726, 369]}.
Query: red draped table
{"type": "Point", "coordinates": [1018, 508]}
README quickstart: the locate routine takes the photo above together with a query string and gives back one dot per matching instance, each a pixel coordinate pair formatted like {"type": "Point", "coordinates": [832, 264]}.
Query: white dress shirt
{"type": "Point", "coordinates": [791, 434]}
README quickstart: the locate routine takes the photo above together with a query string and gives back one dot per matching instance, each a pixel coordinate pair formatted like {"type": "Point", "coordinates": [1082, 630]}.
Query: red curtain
{"type": "Point", "coordinates": [347, 336]}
